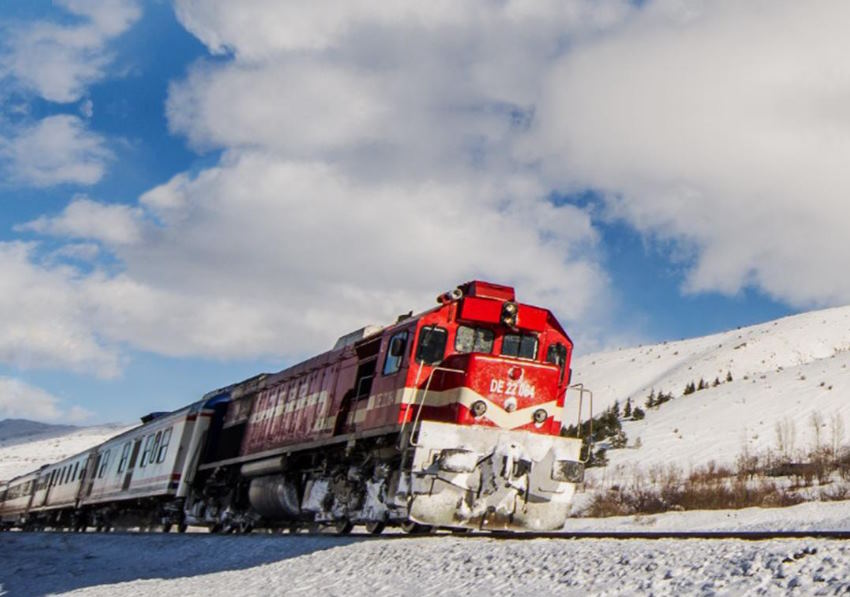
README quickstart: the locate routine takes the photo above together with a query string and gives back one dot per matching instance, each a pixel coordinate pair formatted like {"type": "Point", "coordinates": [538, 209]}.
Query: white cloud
{"type": "Point", "coordinates": [46, 321]}
{"type": "Point", "coordinates": [19, 399]}
{"type": "Point", "coordinates": [724, 126]}
{"type": "Point", "coordinates": [111, 223]}
{"type": "Point", "coordinates": [77, 251]}
{"type": "Point", "coordinates": [56, 150]}
{"type": "Point", "coordinates": [368, 165]}
{"type": "Point", "coordinates": [57, 61]}
{"type": "Point", "coordinates": [402, 89]}
{"type": "Point", "coordinates": [258, 29]}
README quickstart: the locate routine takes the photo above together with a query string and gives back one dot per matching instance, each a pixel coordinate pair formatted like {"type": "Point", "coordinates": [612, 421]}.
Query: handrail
{"type": "Point", "coordinates": [425, 395]}
{"type": "Point", "coordinates": [582, 391]}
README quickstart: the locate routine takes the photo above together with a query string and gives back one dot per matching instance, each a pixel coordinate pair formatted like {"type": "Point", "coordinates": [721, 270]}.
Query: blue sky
{"type": "Point", "coordinates": [195, 192]}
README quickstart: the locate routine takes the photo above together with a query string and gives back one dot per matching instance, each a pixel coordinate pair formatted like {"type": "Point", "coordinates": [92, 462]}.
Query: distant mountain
{"type": "Point", "coordinates": [27, 445]}
{"type": "Point", "coordinates": [16, 429]}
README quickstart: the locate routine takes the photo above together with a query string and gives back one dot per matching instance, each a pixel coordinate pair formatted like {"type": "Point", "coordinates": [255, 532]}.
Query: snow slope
{"type": "Point", "coordinates": [22, 454]}
{"type": "Point", "coordinates": [783, 372]}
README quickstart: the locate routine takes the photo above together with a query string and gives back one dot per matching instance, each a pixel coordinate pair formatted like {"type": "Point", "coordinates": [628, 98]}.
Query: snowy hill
{"type": "Point", "coordinates": [27, 445]}
{"type": "Point", "coordinates": [23, 429]}
{"type": "Point", "coordinates": [787, 373]}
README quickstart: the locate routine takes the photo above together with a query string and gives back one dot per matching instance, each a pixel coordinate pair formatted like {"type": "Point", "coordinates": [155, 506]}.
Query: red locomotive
{"type": "Point", "coordinates": [449, 418]}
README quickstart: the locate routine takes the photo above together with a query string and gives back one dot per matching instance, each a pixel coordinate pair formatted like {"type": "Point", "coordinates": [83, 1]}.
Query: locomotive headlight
{"type": "Point", "coordinates": [478, 408]}
{"type": "Point", "coordinates": [540, 416]}
{"type": "Point", "coordinates": [509, 313]}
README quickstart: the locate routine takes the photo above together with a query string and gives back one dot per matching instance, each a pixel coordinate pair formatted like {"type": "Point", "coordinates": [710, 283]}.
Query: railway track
{"type": "Point", "coordinates": [526, 536]}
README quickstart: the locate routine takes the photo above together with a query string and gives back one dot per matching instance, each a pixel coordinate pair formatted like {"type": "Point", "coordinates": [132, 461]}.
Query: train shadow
{"type": "Point", "coordinates": [47, 563]}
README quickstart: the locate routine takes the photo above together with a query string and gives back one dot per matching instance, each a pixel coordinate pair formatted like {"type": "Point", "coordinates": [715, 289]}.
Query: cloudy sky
{"type": "Point", "coordinates": [196, 191]}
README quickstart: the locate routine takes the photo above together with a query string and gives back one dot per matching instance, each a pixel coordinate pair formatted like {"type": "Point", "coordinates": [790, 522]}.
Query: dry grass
{"type": "Point", "coordinates": [770, 479]}
{"type": "Point", "coordinates": [714, 494]}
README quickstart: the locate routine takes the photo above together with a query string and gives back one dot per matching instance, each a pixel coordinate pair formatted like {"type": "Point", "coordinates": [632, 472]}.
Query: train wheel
{"type": "Point", "coordinates": [374, 527]}
{"type": "Point", "coordinates": [166, 528]}
{"type": "Point", "coordinates": [343, 526]}
{"type": "Point", "coordinates": [181, 527]}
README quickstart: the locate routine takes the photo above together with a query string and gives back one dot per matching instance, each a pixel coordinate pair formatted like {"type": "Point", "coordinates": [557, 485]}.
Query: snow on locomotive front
{"type": "Point", "coordinates": [483, 423]}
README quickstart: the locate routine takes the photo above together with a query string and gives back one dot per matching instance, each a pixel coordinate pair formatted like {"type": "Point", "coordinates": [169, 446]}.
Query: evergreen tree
{"type": "Point", "coordinates": [702, 384]}
{"type": "Point", "coordinates": [728, 376]}
{"type": "Point", "coordinates": [716, 382]}
{"type": "Point", "coordinates": [689, 389]}
{"type": "Point", "coordinates": [650, 402]}
{"type": "Point", "coordinates": [615, 410]}
{"type": "Point", "coordinates": [627, 409]}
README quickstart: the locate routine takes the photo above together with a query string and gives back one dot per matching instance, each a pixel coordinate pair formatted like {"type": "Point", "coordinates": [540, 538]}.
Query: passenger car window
{"type": "Point", "coordinates": [163, 445]}
{"type": "Point", "coordinates": [468, 339]}
{"type": "Point", "coordinates": [395, 353]}
{"type": "Point", "coordinates": [104, 461]}
{"type": "Point", "coordinates": [146, 452]}
{"type": "Point", "coordinates": [432, 344]}
{"type": "Point", "coordinates": [125, 455]}
{"type": "Point", "coordinates": [523, 346]}
{"type": "Point", "coordinates": [155, 447]}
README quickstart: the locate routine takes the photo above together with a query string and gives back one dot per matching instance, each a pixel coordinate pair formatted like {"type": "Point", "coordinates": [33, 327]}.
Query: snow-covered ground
{"type": "Point", "coordinates": [22, 454]}
{"type": "Point", "coordinates": [438, 565]}
{"type": "Point", "coordinates": [784, 372]}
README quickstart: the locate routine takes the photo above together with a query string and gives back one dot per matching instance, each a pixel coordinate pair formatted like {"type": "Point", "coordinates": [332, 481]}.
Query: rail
{"type": "Point", "coordinates": [196, 534]}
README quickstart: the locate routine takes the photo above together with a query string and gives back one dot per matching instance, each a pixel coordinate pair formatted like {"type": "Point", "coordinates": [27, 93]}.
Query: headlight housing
{"type": "Point", "coordinates": [478, 408]}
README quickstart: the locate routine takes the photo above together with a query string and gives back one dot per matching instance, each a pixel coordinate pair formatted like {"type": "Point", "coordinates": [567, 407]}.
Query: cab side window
{"type": "Point", "coordinates": [432, 344]}
{"type": "Point", "coordinates": [557, 355]}
{"type": "Point", "coordinates": [395, 353]}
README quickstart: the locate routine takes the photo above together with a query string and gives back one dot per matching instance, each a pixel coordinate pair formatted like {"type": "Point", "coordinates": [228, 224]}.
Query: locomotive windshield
{"type": "Point", "coordinates": [523, 346]}
{"type": "Point", "coordinates": [470, 339]}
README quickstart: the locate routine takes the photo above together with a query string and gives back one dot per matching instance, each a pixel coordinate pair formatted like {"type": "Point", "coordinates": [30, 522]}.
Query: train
{"type": "Point", "coordinates": [447, 419]}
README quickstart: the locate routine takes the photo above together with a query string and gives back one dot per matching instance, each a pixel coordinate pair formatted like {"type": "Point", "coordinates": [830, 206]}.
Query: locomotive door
{"type": "Point", "coordinates": [135, 454]}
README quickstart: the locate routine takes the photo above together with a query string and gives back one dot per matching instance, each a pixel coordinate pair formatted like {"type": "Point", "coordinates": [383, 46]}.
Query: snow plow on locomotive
{"type": "Point", "coordinates": [450, 418]}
